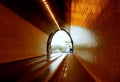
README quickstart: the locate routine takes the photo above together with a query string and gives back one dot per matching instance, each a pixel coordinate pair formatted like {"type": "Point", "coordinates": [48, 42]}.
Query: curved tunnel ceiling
{"type": "Point", "coordinates": [67, 12]}
{"type": "Point", "coordinates": [35, 12]}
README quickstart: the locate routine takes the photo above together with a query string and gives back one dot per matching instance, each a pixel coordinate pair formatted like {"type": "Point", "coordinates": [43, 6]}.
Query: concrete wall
{"type": "Point", "coordinates": [18, 38]}
{"type": "Point", "coordinates": [102, 60]}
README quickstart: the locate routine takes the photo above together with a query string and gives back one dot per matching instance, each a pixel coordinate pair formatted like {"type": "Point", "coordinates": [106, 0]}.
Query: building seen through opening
{"type": "Point", "coordinates": [61, 43]}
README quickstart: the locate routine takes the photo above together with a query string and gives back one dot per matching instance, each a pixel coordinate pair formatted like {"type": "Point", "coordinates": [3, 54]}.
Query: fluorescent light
{"type": "Point", "coordinates": [50, 12]}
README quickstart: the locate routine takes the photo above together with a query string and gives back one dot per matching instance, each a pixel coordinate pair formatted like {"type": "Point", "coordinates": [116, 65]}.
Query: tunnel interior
{"type": "Point", "coordinates": [25, 28]}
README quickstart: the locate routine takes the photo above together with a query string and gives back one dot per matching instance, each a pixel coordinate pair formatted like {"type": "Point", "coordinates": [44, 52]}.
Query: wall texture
{"type": "Point", "coordinates": [18, 38]}
{"type": "Point", "coordinates": [103, 60]}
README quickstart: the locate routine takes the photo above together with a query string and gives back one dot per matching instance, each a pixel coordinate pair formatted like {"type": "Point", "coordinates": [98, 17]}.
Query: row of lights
{"type": "Point", "coordinates": [48, 8]}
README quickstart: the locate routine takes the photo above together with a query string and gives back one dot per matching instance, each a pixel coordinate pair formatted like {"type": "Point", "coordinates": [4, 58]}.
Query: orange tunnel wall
{"type": "Point", "coordinates": [18, 38]}
{"type": "Point", "coordinates": [103, 61]}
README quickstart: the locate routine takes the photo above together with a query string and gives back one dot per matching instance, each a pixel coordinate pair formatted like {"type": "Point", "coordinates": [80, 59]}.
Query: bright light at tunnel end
{"type": "Point", "coordinates": [61, 42]}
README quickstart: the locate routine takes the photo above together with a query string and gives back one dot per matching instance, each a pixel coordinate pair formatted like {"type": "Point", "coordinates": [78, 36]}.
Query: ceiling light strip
{"type": "Point", "coordinates": [48, 8]}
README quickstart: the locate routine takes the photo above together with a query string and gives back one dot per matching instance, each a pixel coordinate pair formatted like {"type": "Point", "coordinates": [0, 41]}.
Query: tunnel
{"type": "Point", "coordinates": [28, 26]}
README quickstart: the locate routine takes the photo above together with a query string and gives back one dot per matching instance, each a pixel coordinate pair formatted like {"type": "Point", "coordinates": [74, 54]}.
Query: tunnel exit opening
{"type": "Point", "coordinates": [59, 41]}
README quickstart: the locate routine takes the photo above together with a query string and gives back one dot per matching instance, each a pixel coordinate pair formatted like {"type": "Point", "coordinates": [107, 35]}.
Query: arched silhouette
{"type": "Point", "coordinates": [50, 40]}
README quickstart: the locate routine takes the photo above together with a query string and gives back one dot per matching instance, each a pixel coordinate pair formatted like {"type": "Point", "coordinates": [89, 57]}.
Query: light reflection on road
{"type": "Point", "coordinates": [58, 61]}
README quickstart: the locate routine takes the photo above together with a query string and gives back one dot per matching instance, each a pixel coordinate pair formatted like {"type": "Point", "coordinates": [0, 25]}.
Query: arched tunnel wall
{"type": "Point", "coordinates": [103, 61]}
{"type": "Point", "coordinates": [18, 38]}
